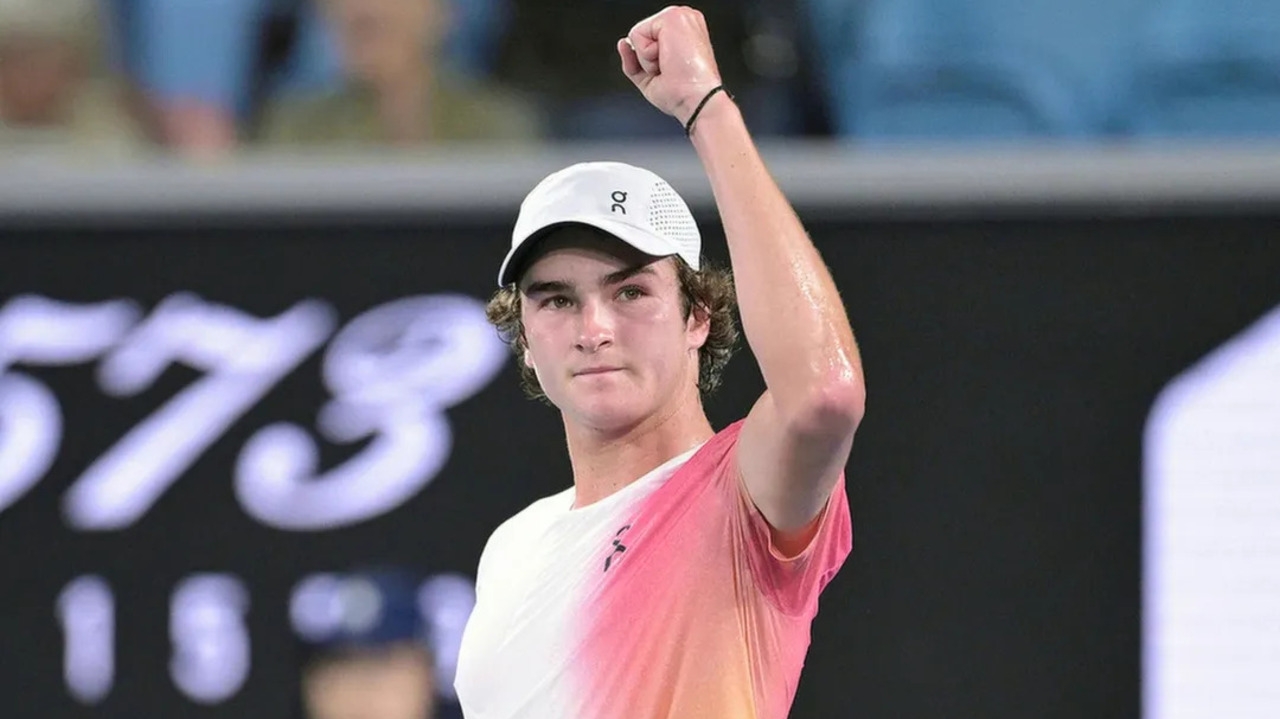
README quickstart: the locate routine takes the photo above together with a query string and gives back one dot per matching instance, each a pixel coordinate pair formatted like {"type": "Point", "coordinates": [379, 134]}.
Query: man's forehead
{"type": "Point", "coordinates": [582, 241]}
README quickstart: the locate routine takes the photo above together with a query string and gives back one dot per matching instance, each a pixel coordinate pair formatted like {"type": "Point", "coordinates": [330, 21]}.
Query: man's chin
{"type": "Point", "coordinates": [608, 411]}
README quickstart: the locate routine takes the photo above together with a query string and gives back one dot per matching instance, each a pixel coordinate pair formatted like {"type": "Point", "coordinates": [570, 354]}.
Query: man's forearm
{"type": "Point", "coordinates": [792, 314]}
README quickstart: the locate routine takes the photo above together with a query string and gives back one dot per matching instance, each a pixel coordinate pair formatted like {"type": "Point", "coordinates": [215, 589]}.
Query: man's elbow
{"type": "Point", "coordinates": [832, 408]}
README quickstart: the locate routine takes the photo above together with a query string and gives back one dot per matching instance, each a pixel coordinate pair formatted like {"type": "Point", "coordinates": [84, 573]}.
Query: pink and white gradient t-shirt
{"type": "Point", "coordinates": [665, 600]}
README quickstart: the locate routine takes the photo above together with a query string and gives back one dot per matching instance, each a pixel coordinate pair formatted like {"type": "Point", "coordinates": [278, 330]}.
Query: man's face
{"type": "Point", "coordinates": [606, 330]}
{"type": "Point", "coordinates": [378, 38]}
{"type": "Point", "coordinates": [397, 683]}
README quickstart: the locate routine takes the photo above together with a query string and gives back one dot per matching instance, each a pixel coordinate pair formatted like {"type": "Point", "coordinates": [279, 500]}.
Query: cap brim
{"type": "Point", "coordinates": [518, 257]}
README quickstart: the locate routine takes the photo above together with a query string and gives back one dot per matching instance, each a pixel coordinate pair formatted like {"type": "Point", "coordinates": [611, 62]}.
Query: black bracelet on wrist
{"type": "Point", "coordinates": [688, 126]}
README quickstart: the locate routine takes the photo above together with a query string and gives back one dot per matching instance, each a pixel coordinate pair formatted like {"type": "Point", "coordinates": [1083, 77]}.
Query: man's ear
{"type": "Point", "coordinates": [698, 326]}
{"type": "Point", "coordinates": [528, 359]}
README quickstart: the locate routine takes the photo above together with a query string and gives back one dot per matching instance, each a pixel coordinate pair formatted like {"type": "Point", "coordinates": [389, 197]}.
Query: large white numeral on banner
{"type": "Point", "coordinates": [210, 640]}
{"type": "Point", "coordinates": [243, 356]}
{"type": "Point", "coordinates": [393, 371]}
{"type": "Point", "coordinates": [30, 432]}
{"type": "Point", "coordinates": [44, 332]}
{"type": "Point", "coordinates": [315, 608]}
{"type": "Point", "coordinates": [87, 612]}
{"type": "Point", "coordinates": [1211, 584]}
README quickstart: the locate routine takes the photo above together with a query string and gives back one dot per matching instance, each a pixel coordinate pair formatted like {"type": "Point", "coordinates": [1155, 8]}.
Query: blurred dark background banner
{"type": "Point", "coordinates": [198, 420]}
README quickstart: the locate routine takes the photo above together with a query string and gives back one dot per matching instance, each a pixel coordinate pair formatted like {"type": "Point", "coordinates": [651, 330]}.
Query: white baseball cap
{"type": "Point", "coordinates": [628, 202]}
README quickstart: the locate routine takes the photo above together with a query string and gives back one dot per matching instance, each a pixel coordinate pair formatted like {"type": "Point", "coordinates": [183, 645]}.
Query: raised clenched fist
{"type": "Point", "coordinates": [669, 57]}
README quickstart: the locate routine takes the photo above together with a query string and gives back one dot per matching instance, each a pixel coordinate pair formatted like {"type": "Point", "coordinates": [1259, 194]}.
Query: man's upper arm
{"type": "Point", "coordinates": [790, 465]}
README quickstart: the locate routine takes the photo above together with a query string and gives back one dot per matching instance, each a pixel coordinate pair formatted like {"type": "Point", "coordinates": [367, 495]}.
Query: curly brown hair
{"type": "Point", "coordinates": [708, 289]}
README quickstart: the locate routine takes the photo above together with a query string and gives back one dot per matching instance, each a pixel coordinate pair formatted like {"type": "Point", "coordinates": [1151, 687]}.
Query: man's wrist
{"type": "Point", "coordinates": [719, 108]}
{"type": "Point", "coordinates": [698, 106]}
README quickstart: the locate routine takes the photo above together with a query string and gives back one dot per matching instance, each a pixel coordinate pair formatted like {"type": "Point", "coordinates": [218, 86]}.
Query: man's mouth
{"type": "Point", "coordinates": [595, 370]}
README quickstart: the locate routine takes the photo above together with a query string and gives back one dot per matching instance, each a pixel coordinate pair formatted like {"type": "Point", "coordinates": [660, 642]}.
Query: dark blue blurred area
{"type": "Point", "coordinates": [370, 611]}
{"type": "Point", "coordinates": [363, 609]}
{"type": "Point", "coordinates": [902, 70]}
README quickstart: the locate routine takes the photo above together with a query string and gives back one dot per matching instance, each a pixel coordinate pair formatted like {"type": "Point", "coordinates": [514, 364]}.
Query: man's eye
{"type": "Point", "coordinates": [631, 293]}
{"type": "Point", "coordinates": [559, 302]}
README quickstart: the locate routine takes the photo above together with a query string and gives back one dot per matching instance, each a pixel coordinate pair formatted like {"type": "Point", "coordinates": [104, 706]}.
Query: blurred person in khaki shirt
{"type": "Point", "coordinates": [53, 90]}
{"type": "Point", "coordinates": [397, 91]}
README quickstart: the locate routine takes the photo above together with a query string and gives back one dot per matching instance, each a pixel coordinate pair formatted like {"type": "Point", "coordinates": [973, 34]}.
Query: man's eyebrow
{"type": "Point", "coordinates": [547, 287]}
{"type": "Point", "coordinates": [556, 286]}
{"type": "Point", "coordinates": [627, 273]}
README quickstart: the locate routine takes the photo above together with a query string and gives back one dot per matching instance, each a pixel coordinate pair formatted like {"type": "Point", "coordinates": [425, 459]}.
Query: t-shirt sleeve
{"type": "Point", "coordinates": [794, 583]}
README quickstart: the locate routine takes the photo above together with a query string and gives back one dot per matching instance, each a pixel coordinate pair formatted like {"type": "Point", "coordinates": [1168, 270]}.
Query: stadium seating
{"type": "Point", "coordinates": [1205, 68]}
{"type": "Point", "coordinates": [939, 69]}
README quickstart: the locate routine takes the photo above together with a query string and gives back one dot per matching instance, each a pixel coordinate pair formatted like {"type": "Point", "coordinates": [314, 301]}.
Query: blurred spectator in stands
{"type": "Point", "coordinates": [398, 91]}
{"type": "Point", "coordinates": [565, 51]}
{"type": "Point", "coordinates": [367, 654]}
{"type": "Point", "coordinates": [53, 88]}
{"type": "Point", "coordinates": [200, 68]}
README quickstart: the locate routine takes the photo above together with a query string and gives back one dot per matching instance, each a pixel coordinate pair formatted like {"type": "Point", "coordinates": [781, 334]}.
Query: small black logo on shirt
{"type": "Point", "coordinates": [618, 547]}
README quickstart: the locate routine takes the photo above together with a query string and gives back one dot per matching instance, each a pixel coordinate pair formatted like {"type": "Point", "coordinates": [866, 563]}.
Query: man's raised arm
{"type": "Point", "coordinates": [797, 437]}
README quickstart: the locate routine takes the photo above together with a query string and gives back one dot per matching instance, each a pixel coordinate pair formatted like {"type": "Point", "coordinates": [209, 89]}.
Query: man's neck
{"type": "Point", "coordinates": [605, 462]}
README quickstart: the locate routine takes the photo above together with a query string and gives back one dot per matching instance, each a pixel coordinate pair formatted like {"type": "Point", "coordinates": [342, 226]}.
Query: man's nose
{"type": "Point", "coordinates": [596, 327]}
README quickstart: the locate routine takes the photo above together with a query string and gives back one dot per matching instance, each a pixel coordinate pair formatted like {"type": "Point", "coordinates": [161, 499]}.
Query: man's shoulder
{"type": "Point", "coordinates": [532, 518]}
{"type": "Point", "coordinates": [721, 443]}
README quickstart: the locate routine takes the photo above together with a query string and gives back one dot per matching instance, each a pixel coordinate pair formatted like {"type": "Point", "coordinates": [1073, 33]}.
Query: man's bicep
{"type": "Point", "coordinates": [789, 470]}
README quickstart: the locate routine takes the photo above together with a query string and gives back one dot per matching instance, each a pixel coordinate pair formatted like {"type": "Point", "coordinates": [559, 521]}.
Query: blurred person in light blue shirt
{"type": "Point", "coordinates": [200, 65]}
{"type": "Point", "coordinates": [205, 67]}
